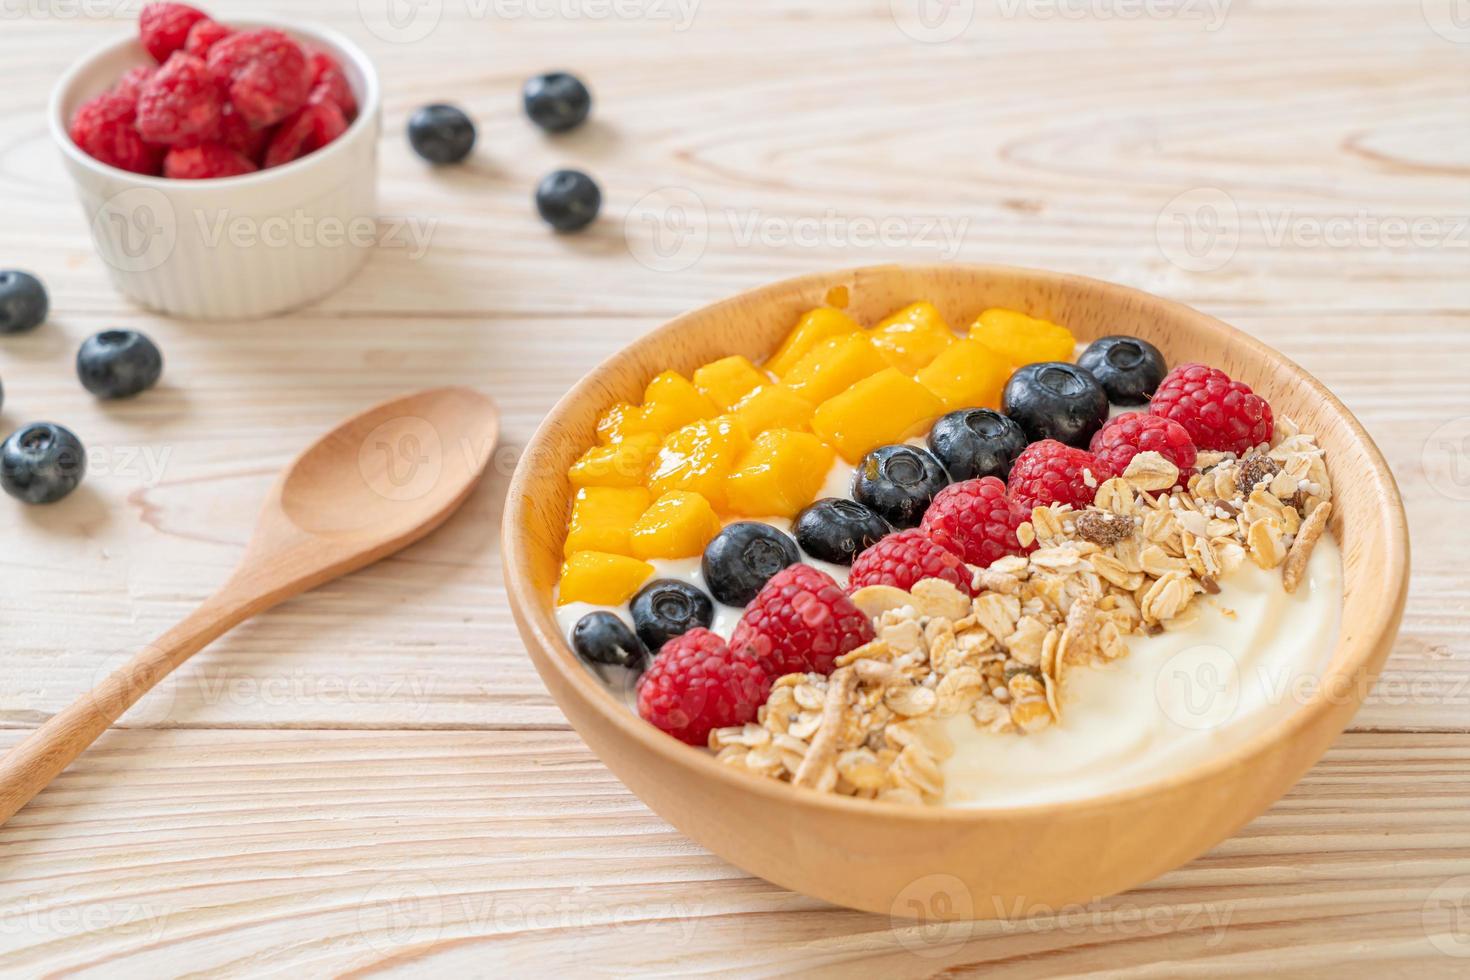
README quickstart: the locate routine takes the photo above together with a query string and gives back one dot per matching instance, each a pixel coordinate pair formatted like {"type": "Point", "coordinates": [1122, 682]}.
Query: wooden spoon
{"type": "Point", "coordinates": [375, 484]}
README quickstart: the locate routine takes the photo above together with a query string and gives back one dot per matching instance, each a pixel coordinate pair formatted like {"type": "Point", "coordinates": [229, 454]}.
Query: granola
{"type": "Point", "coordinates": [1135, 562]}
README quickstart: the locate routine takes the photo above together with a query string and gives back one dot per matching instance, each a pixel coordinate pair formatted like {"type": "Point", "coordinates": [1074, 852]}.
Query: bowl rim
{"type": "Point", "coordinates": [369, 105]}
{"type": "Point", "coordinates": [536, 616]}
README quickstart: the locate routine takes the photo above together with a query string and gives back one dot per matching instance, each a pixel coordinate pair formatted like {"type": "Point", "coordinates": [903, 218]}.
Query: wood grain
{"type": "Point", "coordinates": [518, 853]}
{"type": "Point", "coordinates": [1060, 140]}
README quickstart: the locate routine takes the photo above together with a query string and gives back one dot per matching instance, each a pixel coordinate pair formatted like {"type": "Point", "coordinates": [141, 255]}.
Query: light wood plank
{"type": "Point", "coordinates": [485, 853]}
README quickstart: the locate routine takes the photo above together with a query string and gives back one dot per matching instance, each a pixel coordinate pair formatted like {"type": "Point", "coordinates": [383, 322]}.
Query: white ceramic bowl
{"type": "Point", "coordinates": [236, 247]}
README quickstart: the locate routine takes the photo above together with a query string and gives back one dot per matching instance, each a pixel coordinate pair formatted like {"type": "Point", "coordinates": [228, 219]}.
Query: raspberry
{"type": "Point", "coordinates": [697, 683]}
{"type": "Point", "coordinates": [206, 160]}
{"type": "Point", "coordinates": [163, 27]}
{"type": "Point", "coordinates": [180, 103]}
{"type": "Point", "coordinates": [236, 133]}
{"type": "Point", "coordinates": [1048, 472]}
{"type": "Point", "coordinates": [906, 557]}
{"type": "Point", "coordinates": [310, 129]}
{"type": "Point", "coordinates": [800, 621]}
{"type": "Point", "coordinates": [266, 74]}
{"type": "Point", "coordinates": [132, 82]}
{"type": "Point", "coordinates": [1131, 433]}
{"type": "Point", "coordinates": [103, 129]}
{"type": "Point", "coordinates": [204, 35]}
{"type": "Point", "coordinates": [976, 520]}
{"type": "Point", "coordinates": [329, 84]}
{"type": "Point", "coordinates": [1218, 414]}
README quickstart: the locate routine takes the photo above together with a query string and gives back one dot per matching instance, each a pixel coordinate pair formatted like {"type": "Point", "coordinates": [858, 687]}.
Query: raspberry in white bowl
{"type": "Point", "coordinates": [220, 102]}
{"type": "Point", "coordinates": [243, 198]}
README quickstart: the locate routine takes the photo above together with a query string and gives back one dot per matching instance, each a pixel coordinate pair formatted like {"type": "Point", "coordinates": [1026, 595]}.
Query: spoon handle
{"type": "Point", "coordinates": [30, 766]}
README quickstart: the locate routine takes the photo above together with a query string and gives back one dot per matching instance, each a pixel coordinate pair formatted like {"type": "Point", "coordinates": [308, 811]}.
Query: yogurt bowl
{"type": "Point", "coordinates": [1014, 850]}
{"type": "Point", "coordinates": [233, 247]}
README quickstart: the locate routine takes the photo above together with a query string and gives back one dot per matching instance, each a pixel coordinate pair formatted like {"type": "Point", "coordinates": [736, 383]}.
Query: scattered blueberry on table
{"type": "Point", "coordinates": [603, 638]}
{"type": "Point", "coordinates": [1128, 368]}
{"type": "Point", "coordinates": [568, 200]}
{"type": "Point", "coordinates": [23, 301]}
{"type": "Point", "coordinates": [666, 608]}
{"type": "Point", "coordinates": [977, 442]}
{"type": "Point", "coordinates": [42, 462]}
{"type": "Point", "coordinates": [556, 101]}
{"type": "Point", "coordinates": [742, 558]}
{"type": "Point", "coordinates": [836, 529]}
{"type": "Point", "coordinates": [1056, 400]}
{"type": "Point", "coordinates": [441, 134]}
{"type": "Point", "coordinates": [118, 363]}
{"type": "Point", "coordinates": [898, 482]}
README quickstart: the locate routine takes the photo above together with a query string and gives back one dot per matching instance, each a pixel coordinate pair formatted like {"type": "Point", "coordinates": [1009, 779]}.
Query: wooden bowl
{"type": "Point", "coordinates": [954, 863]}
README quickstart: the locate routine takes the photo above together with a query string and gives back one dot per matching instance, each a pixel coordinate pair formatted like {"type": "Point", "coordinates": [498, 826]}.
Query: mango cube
{"type": "Point", "coordinates": [773, 406]}
{"type": "Point", "coordinates": [671, 401]}
{"type": "Point", "coordinates": [699, 457]}
{"type": "Point", "coordinates": [967, 375]}
{"type": "Point", "coordinates": [601, 517]}
{"type": "Point", "coordinates": [1023, 339]}
{"type": "Point", "coordinates": [814, 327]}
{"type": "Point", "coordinates": [885, 408]}
{"type": "Point", "coordinates": [834, 365]}
{"type": "Point", "coordinates": [623, 420]}
{"type": "Point", "coordinates": [779, 474]}
{"type": "Point", "coordinates": [678, 525]}
{"type": "Point", "coordinates": [623, 464]}
{"type": "Point", "coordinates": [728, 380]}
{"type": "Point", "coordinates": [600, 578]}
{"type": "Point", "coordinates": [912, 337]}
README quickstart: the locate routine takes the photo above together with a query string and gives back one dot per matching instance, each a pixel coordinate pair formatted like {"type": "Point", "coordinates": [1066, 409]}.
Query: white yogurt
{"type": "Point", "coordinates": [1174, 701]}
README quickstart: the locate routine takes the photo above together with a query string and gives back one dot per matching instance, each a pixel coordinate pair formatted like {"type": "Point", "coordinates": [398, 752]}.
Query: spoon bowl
{"type": "Point", "coordinates": [392, 466]}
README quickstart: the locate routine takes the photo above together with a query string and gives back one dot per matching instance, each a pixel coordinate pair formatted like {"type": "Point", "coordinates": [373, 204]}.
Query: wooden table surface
{"type": "Point", "coordinates": [371, 778]}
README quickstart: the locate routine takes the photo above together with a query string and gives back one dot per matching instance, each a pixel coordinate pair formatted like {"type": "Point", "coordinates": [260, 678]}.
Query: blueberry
{"type": "Point", "coordinates": [1129, 369]}
{"type": "Point", "coordinates": [898, 482]}
{"type": "Point", "coordinates": [441, 133]}
{"type": "Point", "coordinates": [40, 463]}
{"type": "Point", "coordinates": [568, 200]}
{"type": "Point", "coordinates": [118, 363]}
{"type": "Point", "coordinates": [976, 442]}
{"type": "Point", "coordinates": [1056, 400]}
{"type": "Point", "coordinates": [742, 557]}
{"type": "Point", "coordinates": [836, 529]}
{"type": "Point", "coordinates": [666, 608]}
{"type": "Point", "coordinates": [23, 302]}
{"type": "Point", "coordinates": [603, 638]}
{"type": "Point", "coordinates": [556, 101]}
